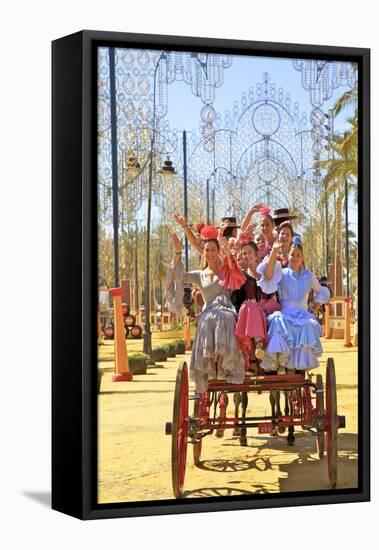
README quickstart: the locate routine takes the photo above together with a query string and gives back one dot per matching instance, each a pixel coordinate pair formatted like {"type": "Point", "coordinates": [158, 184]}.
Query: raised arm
{"type": "Point", "coordinates": [251, 212]}
{"type": "Point", "coordinates": [181, 220]}
{"type": "Point", "coordinates": [191, 277]}
{"type": "Point", "coordinates": [271, 261]}
{"type": "Point", "coordinates": [225, 248]}
{"type": "Point", "coordinates": [177, 277]}
{"type": "Point", "coordinates": [177, 244]}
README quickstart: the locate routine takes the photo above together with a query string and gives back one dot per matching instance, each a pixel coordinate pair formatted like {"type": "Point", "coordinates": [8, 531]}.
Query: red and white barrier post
{"type": "Point", "coordinates": [327, 329]}
{"type": "Point", "coordinates": [347, 343]}
{"type": "Point", "coordinates": [122, 373]}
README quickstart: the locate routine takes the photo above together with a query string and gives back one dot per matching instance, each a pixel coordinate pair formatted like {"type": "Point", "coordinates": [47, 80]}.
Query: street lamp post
{"type": "Point", "coordinates": [114, 161]}
{"type": "Point", "coordinates": [347, 234]}
{"type": "Point", "coordinates": [208, 219]}
{"type": "Point", "coordinates": [185, 193]}
{"type": "Point", "coordinates": [347, 240]}
{"type": "Point", "coordinates": [147, 328]}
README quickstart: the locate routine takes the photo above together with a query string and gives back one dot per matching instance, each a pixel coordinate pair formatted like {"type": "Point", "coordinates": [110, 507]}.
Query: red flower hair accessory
{"type": "Point", "coordinates": [198, 227]}
{"type": "Point", "coordinates": [282, 260]}
{"type": "Point", "coordinates": [208, 232]}
{"type": "Point", "coordinates": [265, 210]}
{"type": "Point", "coordinates": [245, 238]}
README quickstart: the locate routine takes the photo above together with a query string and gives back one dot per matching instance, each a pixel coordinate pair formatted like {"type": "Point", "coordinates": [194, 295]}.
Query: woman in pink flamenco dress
{"type": "Point", "coordinates": [253, 306]}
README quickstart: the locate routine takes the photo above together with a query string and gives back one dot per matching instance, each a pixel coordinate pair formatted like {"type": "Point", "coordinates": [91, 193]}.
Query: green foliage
{"type": "Point", "coordinates": [160, 353]}
{"type": "Point", "coordinates": [137, 357]}
{"type": "Point", "coordinates": [343, 152]}
{"type": "Point", "coordinates": [180, 346]}
{"type": "Point", "coordinates": [162, 347]}
{"type": "Point", "coordinates": [137, 363]}
{"type": "Point", "coordinates": [171, 349]}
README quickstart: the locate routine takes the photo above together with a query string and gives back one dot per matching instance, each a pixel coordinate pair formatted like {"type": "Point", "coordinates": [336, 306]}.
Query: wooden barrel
{"type": "Point", "coordinates": [109, 332]}
{"type": "Point", "coordinates": [125, 309]}
{"type": "Point", "coordinates": [130, 320]}
{"type": "Point", "coordinates": [136, 331]}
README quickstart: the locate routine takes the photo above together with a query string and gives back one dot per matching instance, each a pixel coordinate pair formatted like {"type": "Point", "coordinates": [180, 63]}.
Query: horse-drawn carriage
{"type": "Point", "coordinates": [305, 407]}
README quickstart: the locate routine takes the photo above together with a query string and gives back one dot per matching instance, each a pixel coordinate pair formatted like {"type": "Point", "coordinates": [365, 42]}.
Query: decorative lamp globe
{"type": "Point", "coordinates": [167, 169]}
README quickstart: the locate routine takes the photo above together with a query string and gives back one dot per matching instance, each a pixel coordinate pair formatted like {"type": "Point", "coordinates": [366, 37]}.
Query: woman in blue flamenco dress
{"type": "Point", "coordinates": [294, 333]}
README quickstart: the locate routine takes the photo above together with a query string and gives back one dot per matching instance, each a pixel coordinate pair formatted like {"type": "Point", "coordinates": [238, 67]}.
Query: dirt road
{"type": "Point", "coordinates": [135, 453]}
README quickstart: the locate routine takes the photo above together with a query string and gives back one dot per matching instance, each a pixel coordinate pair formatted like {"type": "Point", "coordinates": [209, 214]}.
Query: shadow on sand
{"type": "Point", "coordinates": [305, 472]}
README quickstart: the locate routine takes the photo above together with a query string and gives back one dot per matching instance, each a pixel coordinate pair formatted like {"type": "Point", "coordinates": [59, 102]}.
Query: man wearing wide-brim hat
{"type": "Point", "coordinates": [231, 226]}
{"type": "Point", "coordinates": [282, 215]}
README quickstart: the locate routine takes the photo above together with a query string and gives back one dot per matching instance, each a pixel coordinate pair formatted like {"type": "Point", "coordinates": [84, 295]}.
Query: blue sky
{"type": "Point", "coordinates": [244, 73]}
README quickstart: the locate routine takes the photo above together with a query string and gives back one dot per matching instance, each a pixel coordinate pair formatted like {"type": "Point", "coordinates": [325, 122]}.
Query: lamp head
{"type": "Point", "coordinates": [167, 169]}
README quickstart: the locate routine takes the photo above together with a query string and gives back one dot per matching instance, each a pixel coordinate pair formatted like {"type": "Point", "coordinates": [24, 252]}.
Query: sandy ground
{"type": "Point", "coordinates": [135, 453]}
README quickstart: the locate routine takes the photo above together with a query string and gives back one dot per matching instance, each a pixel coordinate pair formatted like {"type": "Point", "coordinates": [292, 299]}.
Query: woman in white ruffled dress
{"type": "Point", "coordinates": [215, 352]}
{"type": "Point", "coordinates": [294, 333]}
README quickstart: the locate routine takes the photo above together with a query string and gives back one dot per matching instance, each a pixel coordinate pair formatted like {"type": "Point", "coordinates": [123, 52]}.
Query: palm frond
{"type": "Point", "coordinates": [349, 97]}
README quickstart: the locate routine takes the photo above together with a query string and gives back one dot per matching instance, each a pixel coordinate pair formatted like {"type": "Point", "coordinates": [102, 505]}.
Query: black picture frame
{"type": "Point", "coordinates": [74, 273]}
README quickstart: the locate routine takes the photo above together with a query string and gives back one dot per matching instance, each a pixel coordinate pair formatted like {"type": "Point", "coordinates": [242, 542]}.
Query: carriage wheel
{"type": "Point", "coordinates": [320, 439]}
{"type": "Point", "coordinates": [179, 430]}
{"type": "Point", "coordinates": [331, 421]}
{"type": "Point", "coordinates": [197, 446]}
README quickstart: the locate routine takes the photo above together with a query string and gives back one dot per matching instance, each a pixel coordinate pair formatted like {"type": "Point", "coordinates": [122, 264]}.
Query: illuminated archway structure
{"type": "Point", "coordinates": [262, 152]}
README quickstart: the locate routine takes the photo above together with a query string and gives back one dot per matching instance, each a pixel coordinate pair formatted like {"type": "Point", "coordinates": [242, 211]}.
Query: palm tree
{"type": "Point", "coordinates": [344, 150]}
{"type": "Point", "coordinates": [348, 98]}
{"type": "Point", "coordinates": [344, 164]}
{"type": "Point", "coordinates": [353, 259]}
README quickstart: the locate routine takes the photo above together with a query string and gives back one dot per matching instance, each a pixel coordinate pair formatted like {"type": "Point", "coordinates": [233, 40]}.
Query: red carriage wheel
{"type": "Point", "coordinates": [180, 430]}
{"type": "Point", "coordinates": [197, 408]}
{"type": "Point", "coordinates": [331, 421]}
{"type": "Point", "coordinates": [320, 439]}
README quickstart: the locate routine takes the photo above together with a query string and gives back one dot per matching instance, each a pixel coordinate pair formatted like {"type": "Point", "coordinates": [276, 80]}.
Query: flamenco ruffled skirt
{"type": "Point", "coordinates": [294, 339]}
{"type": "Point", "coordinates": [252, 324]}
{"type": "Point", "coordinates": [215, 343]}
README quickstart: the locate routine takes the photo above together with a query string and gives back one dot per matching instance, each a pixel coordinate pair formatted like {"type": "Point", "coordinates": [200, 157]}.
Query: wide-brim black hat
{"type": "Point", "coordinates": [232, 221]}
{"type": "Point", "coordinates": [282, 215]}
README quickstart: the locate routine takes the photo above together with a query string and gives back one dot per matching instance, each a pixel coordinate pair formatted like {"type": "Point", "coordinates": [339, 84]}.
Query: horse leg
{"type": "Point", "coordinates": [291, 435]}
{"type": "Point", "coordinates": [275, 407]}
{"type": "Point", "coordinates": [237, 401]}
{"type": "Point", "coordinates": [286, 409]}
{"type": "Point", "coordinates": [272, 403]}
{"type": "Point", "coordinates": [278, 409]}
{"type": "Point", "coordinates": [243, 438]}
{"type": "Point", "coordinates": [291, 429]}
{"type": "Point", "coordinates": [287, 403]}
{"type": "Point", "coordinates": [223, 403]}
